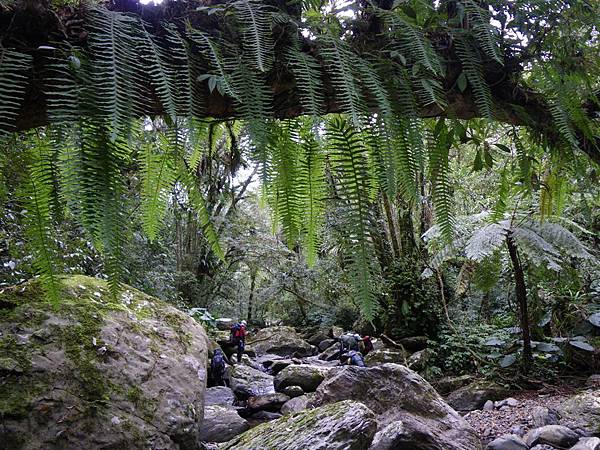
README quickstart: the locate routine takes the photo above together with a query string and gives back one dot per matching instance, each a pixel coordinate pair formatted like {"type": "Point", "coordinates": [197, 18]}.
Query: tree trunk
{"type": "Point", "coordinates": [251, 297]}
{"type": "Point", "coordinates": [521, 295]}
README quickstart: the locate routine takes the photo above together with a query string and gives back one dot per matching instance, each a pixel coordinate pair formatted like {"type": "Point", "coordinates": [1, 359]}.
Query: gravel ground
{"type": "Point", "coordinates": [494, 423]}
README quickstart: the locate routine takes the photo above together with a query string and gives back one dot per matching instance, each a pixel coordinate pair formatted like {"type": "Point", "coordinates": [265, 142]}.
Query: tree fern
{"type": "Point", "coordinates": [14, 68]}
{"type": "Point", "coordinates": [349, 160]}
{"type": "Point", "coordinates": [38, 195]}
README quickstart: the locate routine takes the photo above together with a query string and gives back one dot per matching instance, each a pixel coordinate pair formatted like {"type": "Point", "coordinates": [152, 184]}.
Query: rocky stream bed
{"type": "Point", "coordinates": [131, 372]}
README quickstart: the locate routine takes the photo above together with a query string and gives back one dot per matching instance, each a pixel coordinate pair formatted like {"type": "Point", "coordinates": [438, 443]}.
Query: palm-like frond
{"type": "Point", "coordinates": [473, 70]}
{"type": "Point", "coordinates": [439, 172]}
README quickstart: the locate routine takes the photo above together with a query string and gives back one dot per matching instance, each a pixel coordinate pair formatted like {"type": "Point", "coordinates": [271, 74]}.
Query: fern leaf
{"type": "Point", "coordinates": [349, 158]}
{"type": "Point", "coordinates": [439, 172]}
{"type": "Point", "coordinates": [37, 195]}
{"type": "Point", "coordinates": [255, 19]}
{"type": "Point", "coordinates": [473, 70]}
{"type": "Point", "coordinates": [307, 73]}
{"type": "Point", "coordinates": [14, 68]}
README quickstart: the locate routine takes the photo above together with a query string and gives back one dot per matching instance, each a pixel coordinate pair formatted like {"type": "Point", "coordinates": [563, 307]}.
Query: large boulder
{"type": "Point", "coordinates": [248, 382]}
{"type": "Point", "coordinates": [397, 394]}
{"type": "Point", "coordinates": [555, 435]}
{"type": "Point", "coordinates": [445, 385]}
{"type": "Point", "coordinates": [474, 395]}
{"type": "Point", "coordinates": [224, 324]}
{"type": "Point", "coordinates": [378, 357]}
{"type": "Point", "coordinates": [308, 377]}
{"type": "Point", "coordinates": [267, 402]}
{"type": "Point", "coordinates": [345, 425]}
{"type": "Point", "coordinates": [283, 341]}
{"type": "Point", "coordinates": [331, 353]}
{"type": "Point", "coordinates": [508, 442]}
{"type": "Point", "coordinates": [219, 395]}
{"type": "Point", "coordinates": [298, 404]}
{"type": "Point", "coordinates": [419, 361]}
{"type": "Point", "coordinates": [581, 411]}
{"type": "Point", "coordinates": [221, 423]}
{"type": "Point", "coordinates": [98, 371]}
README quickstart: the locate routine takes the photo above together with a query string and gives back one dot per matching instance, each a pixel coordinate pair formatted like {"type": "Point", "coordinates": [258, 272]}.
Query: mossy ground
{"type": "Point", "coordinates": [84, 304]}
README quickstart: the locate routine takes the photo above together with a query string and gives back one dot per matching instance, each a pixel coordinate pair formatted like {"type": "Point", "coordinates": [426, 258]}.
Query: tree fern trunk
{"type": "Point", "coordinates": [521, 294]}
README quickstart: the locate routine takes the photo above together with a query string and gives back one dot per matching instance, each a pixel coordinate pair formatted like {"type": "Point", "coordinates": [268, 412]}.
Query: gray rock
{"type": "Point", "coordinates": [279, 365]}
{"type": "Point", "coordinates": [377, 357]}
{"type": "Point", "coordinates": [593, 381]}
{"type": "Point", "coordinates": [446, 385]}
{"type": "Point", "coordinates": [293, 391]}
{"type": "Point", "coordinates": [298, 404]}
{"type": "Point", "coordinates": [101, 372]}
{"type": "Point", "coordinates": [308, 377]}
{"type": "Point", "coordinates": [282, 341]}
{"type": "Point", "coordinates": [395, 393]}
{"type": "Point", "coordinates": [331, 354]}
{"type": "Point", "coordinates": [542, 416]}
{"type": "Point", "coordinates": [340, 426]}
{"type": "Point", "coordinates": [221, 423]}
{"type": "Point", "coordinates": [414, 343]}
{"type": "Point", "coordinates": [265, 416]}
{"type": "Point", "coordinates": [419, 360]}
{"type": "Point", "coordinates": [507, 442]}
{"type": "Point", "coordinates": [488, 406]}
{"type": "Point", "coordinates": [512, 402]}
{"type": "Point", "coordinates": [474, 395]}
{"type": "Point", "coordinates": [224, 324]}
{"type": "Point", "coordinates": [587, 443]}
{"type": "Point", "coordinates": [325, 344]}
{"type": "Point", "coordinates": [248, 382]}
{"type": "Point", "coordinates": [219, 395]}
{"type": "Point", "coordinates": [555, 435]}
{"type": "Point", "coordinates": [317, 338]}
{"type": "Point", "coordinates": [581, 411]}
{"type": "Point", "coordinates": [267, 402]}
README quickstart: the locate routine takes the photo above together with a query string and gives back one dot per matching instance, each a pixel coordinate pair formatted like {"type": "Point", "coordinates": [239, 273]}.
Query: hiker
{"type": "Point", "coordinates": [350, 341]}
{"type": "Point", "coordinates": [217, 368]}
{"type": "Point", "coordinates": [366, 345]}
{"type": "Point", "coordinates": [353, 358]}
{"type": "Point", "coordinates": [238, 337]}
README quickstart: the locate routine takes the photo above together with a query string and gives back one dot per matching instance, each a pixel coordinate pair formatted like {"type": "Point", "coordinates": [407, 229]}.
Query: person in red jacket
{"type": "Point", "coordinates": [238, 337]}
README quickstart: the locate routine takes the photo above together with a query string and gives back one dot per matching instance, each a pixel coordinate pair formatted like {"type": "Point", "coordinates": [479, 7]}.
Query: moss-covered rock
{"type": "Point", "coordinates": [397, 394]}
{"type": "Point", "coordinates": [345, 425]}
{"type": "Point", "coordinates": [582, 411]}
{"type": "Point", "coordinates": [98, 371]}
{"type": "Point", "coordinates": [474, 395]}
{"type": "Point", "coordinates": [282, 341]}
{"type": "Point", "coordinates": [307, 376]}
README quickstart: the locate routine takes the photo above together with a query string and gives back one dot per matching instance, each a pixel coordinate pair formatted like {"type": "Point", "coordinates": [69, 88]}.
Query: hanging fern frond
{"type": "Point", "coordinates": [37, 196]}
{"type": "Point", "coordinates": [115, 81]}
{"type": "Point", "coordinates": [157, 180]}
{"type": "Point", "coordinates": [255, 19]}
{"type": "Point", "coordinates": [62, 89]}
{"type": "Point", "coordinates": [340, 61]}
{"type": "Point", "coordinates": [307, 73]}
{"type": "Point", "coordinates": [439, 172]}
{"type": "Point", "coordinates": [473, 70]}
{"type": "Point", "coordinates": [485, 33]}
{"type": "Point", "coordinates": [311, 178]}
{"type": "Point", "coordinates": [220, 65]}
{"type": "Point", "coordinates": [14, 68]}
{"type": "Point", "coordinates": [350, 162]}
{"type": "Point", "coordinates": [284, 188]}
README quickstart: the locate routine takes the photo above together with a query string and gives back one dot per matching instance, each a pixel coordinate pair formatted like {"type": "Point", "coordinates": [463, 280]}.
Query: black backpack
{"type": "Point", "coordinates": [218, 363]}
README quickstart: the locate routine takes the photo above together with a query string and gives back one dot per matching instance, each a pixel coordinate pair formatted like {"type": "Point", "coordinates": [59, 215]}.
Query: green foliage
{"type": "Point", "coordinates": [13, 73]}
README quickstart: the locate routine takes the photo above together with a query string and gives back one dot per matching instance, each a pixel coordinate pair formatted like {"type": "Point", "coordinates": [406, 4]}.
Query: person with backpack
{"type": "Point", "coordinates": [366, 345]}
{"type": "Point", "coordinates": [238, 337]}
{"type": "Point", "coordinates": [353, 358]}
{"type": "Point", "coordinates": [217, 368]}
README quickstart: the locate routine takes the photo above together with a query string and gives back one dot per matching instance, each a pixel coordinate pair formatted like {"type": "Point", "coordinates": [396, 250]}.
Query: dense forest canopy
{"type": "Point", "coordinates": [353, 113]}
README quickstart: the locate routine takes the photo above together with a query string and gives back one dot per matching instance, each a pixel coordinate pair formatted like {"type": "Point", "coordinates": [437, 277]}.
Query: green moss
{"type": "Point", "coordinates": [176, 322]}
{"type": "Point", "coordinates": [134, 395]}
